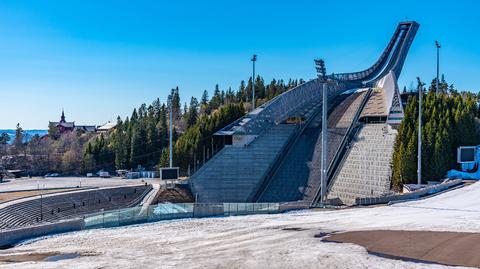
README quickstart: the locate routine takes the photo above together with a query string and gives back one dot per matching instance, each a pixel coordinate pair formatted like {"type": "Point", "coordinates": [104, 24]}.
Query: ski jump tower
{"type": "Point", "coordinates": [268, 157]}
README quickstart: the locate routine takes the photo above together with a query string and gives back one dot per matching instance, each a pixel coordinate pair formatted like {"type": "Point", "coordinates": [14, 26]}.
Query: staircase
{"type": "Point", "coordinates": [234, 174]}
{"type": "Point", "coordinates": [366, 170]}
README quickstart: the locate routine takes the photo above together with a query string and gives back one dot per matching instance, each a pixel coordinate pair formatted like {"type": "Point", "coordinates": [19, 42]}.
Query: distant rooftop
{"type": "Point", "coordinates": [107, 126]}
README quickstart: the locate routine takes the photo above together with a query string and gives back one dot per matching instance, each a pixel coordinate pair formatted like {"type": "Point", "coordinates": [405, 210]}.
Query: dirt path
{"type": "Point", "coordinates": [448, 248]}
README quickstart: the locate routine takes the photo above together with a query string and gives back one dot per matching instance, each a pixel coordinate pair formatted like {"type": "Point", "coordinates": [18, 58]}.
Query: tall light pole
{"type": "Point", "coordinates": [171, 132]}
{"type": "Point", "coordinates": [321, 72]}
{"type": "Point", "coordinates": [254, 59]}
{"type": "Point", "coordinates": [437, 45]}
{"type": "Point", "coordinates": [419, 156]}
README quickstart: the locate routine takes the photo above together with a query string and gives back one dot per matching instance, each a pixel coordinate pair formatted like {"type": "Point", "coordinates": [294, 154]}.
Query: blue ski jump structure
{"type": "Point", "coordinates": [272, 154]}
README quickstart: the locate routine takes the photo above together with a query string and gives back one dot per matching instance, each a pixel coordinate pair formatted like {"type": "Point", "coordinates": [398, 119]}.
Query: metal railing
{"type": "Point", "coordinates": [392, 57]}
{"type": "Point", "coordinates": [277, 109]}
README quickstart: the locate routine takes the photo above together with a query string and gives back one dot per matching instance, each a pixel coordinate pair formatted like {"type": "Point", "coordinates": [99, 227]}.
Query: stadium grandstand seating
{"type": "Point", "coordinates": [298, 176]}
{"type": "Point", "coordinates": [366, 169]}
{"type": "Point", "coordinates": [234, 173]}
{"type": "Point", "coordinates": [51, 208]}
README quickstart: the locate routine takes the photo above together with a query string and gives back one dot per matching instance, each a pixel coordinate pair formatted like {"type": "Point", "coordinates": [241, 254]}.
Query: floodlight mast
{"type": "Point", "coordinates": [171, 133]}
{"type": "Point", "coordinates": [254, 59]}
{"type": "Point", "coordinates": [437, 45]}
{"type": "Point", "coordinates": [321, 72]}
{"type": "Point", "coordinates": [419, 156]}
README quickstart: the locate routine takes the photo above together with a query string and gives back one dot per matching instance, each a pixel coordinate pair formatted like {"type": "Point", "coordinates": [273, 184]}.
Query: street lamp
{"type": "Point", "coordinates": [254, 59]}
{"type": "Point", "coordinates": [437, 45]}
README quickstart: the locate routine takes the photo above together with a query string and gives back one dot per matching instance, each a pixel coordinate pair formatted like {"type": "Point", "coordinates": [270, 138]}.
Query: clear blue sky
{"type": "Point", "coordinates": [100, 59]}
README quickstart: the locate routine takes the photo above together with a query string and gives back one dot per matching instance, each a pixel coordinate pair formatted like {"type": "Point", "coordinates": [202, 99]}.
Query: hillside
{"type": "Point", "coordinates": [28, 134]}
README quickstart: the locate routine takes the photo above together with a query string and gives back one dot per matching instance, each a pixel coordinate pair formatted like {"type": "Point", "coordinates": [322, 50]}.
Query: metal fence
{"type": "Point", "coordinates": [168, 211]}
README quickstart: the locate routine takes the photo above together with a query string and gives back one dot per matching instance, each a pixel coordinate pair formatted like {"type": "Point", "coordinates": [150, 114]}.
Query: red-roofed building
{"type": "Point", "coordinates": [63, 126]}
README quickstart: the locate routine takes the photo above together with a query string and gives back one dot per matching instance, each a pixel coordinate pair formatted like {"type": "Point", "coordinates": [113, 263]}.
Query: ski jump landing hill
{"type": "Point", "coordinates": [273, 152]}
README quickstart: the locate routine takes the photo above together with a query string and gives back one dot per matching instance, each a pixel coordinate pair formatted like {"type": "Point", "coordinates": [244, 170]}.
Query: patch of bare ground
{"type": "Point", "coordinates": [41, 256]}
{"type": "Point", "coordinates": [447, 248]}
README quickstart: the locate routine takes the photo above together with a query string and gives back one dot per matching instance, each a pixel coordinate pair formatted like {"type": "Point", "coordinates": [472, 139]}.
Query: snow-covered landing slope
{"type": "Point", "coordinates": [260, 241]}
{"type": "Point", "coordinates": [467, 198]}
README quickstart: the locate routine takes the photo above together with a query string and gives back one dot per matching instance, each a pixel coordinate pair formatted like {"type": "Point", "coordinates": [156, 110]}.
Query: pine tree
{"type": "Point", "coordinates": [216, 100]}
{"type": "Point", "coordinates": [18, 141]}
{"type": "Point", "coordinates": [88, 162]}
{"type": "Point", "coordinates": [204, 107]}
{"type": "Point", "coordinates": [174, 101]}
{"type": "Point", "coordinates": [53, 132]}
{"type": "Point", "coordinates": [4, 139]}
{"type": "Point", "coordinates": [120, 146]}
{"type": "Point", "coordinates": [138, 155]}
{"type": "Point", "coordinates": [241, 93]}
{"type": "Point", "coordinates": [165, 158]}
{"type": "Point", "coordinates": [192, 112]}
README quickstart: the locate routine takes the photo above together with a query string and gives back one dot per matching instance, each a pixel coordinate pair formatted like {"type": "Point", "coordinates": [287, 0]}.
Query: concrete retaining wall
{"type": "Point", "coordinates": [430, 190]}
{"type": "Point", "coordinates": [9, 238]}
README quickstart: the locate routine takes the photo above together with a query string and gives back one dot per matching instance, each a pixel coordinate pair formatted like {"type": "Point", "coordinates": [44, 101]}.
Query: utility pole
{"type": "Point", "coordinates": [321, 72]}
{"type": "Point", "coordinates": [438, 64]}
{"type": "Point", "coordinates": [171, 132]}
{"type": "Point", "coordinates": [254, 59]}
{"type": "Point", "coordinates": [419, 157]}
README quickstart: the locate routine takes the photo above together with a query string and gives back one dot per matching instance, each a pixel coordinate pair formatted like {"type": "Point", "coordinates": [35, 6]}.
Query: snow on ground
{"type": "Point", "coordinates": [259, 241]}
{"type": "Point", "coordinates": [21, 184]}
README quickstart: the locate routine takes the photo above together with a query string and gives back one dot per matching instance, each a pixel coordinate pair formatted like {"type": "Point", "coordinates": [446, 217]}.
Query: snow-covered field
{"type": "Point", "coordinates": [21, 184]}
{"type": "Point", "coordinates": [259, 241]}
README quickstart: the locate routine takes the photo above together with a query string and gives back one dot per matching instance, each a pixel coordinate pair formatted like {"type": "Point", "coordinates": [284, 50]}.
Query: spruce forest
{"type": "Point", "coordinates": [449, 120]}
{"type": "Point", "coordinates": [142, 140]}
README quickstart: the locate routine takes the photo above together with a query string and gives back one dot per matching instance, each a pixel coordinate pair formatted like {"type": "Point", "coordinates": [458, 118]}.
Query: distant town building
{"type": "Point", "coordinates": [106, 128]}
{"type": "Point", "coordinates": [64, 126]}
{"type": "Point", "coordinates": [86, 128]}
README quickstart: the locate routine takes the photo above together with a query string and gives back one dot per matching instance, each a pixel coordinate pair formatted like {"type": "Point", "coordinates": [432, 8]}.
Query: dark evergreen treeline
{"type": "Point", "coordinates": [448, 121]}
{"type": "Point", "coordinates": [142, 139]}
